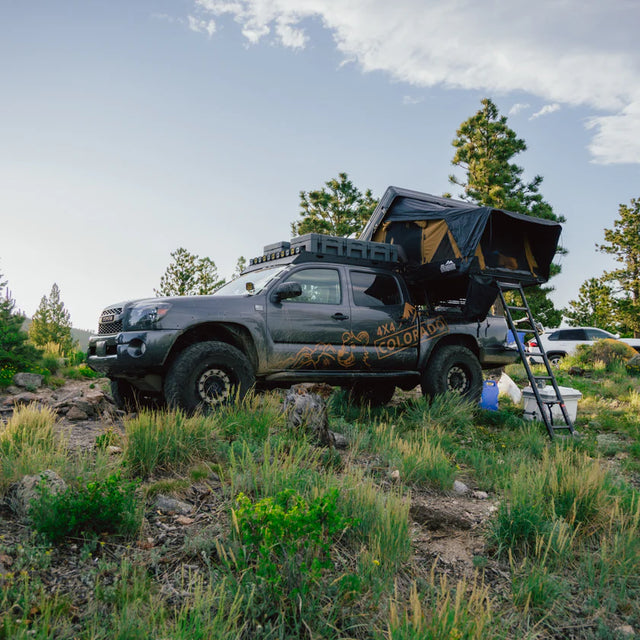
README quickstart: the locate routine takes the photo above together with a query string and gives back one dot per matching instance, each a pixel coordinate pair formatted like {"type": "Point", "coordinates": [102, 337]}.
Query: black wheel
{"type": "Point", "coordinates": [375, 393]}
{"type": "Point", "coordinates": [130, 398]}
{"type": "Point", "coordinates": [453, 368]}
{"type": "Point", "coordinates": [554, 359]}
{"type": "Point", "coordinates": [208, 374]}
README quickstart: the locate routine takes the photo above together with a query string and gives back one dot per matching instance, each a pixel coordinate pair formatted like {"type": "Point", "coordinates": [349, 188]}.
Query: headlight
{"type": "Point", "coordinates": [146, 315]}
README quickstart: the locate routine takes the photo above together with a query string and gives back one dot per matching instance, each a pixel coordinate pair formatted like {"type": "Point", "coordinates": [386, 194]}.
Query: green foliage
{"type": "Point", "coordinates": [51, 323]}
{"type": "Point", "coordinates": [623, 242]}
{"type": "Point", "coordinates": [595, 306]}
{"type": "Point", "coordinates": [16, 354]}
{"type": "Point", "coordinates": [283, 554]}
{"type": "Point", "coordinates": [338, 209]}
{"type": "Point", "coordinates": [29, 444]}
{"type": "Point", "coordinates": [607, 351]}
{"type": "Point", "coordinates": [168, 441]}
{"type": "Point", "coordinates": [107, 506]}
{"type": "Point", "coordinates": [189, 275]}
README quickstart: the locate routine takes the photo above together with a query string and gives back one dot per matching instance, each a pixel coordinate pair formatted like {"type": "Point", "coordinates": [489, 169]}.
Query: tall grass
{"type": "Point", "coordinates": [30, 445]}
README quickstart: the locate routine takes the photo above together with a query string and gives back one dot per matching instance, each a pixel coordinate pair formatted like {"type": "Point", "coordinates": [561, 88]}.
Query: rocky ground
{"type": "Point", "coordinates": [179, 531]}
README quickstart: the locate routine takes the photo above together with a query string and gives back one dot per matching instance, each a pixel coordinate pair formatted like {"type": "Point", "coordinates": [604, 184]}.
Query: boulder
{"type": "Point", "coordinates": [21, 494]}
{"type": "Point", "coordinates": [305, 407]}
{"type": "Point", "coordinates": [166, 504]}
{"type": "Point", "coordinates": [28, 380]}
{"type": "Point", "coordinates": [75, 413]}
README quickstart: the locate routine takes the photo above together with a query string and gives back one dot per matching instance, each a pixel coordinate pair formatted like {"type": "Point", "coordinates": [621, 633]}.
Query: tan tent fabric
{"type": "Point", "coordinates": [480, 256]}
{"type": "Point", "coordinates": [533, 265]}
{"type": "Point", "coordinates": [432, 235]}
{"type": "Point", "coordinates": [454, 245]}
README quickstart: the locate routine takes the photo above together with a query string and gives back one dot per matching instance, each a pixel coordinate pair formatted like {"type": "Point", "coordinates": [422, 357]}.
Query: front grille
{"type": "Point", "coordinates": [109, 327]}
{"type": "Point", "coordinates": [110, 322]}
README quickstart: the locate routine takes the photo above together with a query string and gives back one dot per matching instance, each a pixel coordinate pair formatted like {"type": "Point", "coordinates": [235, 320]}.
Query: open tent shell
{"type": "Point", "coordinates": [455, 250]}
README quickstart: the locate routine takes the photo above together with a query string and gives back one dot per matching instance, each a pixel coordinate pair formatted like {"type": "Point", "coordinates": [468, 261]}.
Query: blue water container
{"type": "Point", "coordinates": [511, 340]}
{"type": "Point", "coordinates": [489, 398]}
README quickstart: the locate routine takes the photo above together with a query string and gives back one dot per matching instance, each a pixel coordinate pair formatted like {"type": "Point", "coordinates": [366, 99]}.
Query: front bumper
{"type": "Point", "coordinates": [130, 353]}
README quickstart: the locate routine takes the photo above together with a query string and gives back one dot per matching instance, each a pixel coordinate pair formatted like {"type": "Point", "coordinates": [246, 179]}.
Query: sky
{"type": "Point", "coordinates": [131, 128]}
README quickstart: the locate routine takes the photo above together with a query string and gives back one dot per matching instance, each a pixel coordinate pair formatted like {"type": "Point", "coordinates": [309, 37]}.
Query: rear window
{"type": "Point", "coordinates": [568, 334]}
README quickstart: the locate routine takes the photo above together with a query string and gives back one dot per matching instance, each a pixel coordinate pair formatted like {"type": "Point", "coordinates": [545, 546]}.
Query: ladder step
{"type": "Point", "coordinates": [543, 377]}
{"type": "Point", "coordinates": [517, 308]}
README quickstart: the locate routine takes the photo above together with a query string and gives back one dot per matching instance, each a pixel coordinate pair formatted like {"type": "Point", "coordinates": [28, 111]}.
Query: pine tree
{"type": "Point", "coordinates": [338, 209]}
{"type": "Point", "coordinates": [595, 306]}
{"type": "Point", "coordinates": [485, 146]}
{"type": "Point", "coordinates": [623, 242]}
{"type": "Point", "coordinates": [51, 323]}
{"type": "Point", "coordinates": [16, 354]}
{"type": "Point", "coordinates": [189, 275]}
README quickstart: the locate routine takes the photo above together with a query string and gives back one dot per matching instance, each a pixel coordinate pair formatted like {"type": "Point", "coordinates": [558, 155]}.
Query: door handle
{"type": "Point", "coordinates": [339, 316]}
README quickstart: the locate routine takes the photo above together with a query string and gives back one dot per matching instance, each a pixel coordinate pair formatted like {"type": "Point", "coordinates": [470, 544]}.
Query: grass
{"type": "Point", "coordinates": [303, 542]}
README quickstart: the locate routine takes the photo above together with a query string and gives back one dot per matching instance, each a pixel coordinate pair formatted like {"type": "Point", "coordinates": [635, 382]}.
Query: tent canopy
{"type": "Point", "coordinates": [452, 247]}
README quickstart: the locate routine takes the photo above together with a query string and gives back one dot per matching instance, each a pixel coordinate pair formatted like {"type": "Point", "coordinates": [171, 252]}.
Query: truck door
{"type": "Point", "coordinates": [307, 332]}
{"type": "Point", "coordinates": [384, 327]}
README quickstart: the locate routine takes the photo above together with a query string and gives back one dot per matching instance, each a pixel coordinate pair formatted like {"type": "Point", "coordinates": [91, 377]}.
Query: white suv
{"type": "Point", "coordinates": [563, 342]}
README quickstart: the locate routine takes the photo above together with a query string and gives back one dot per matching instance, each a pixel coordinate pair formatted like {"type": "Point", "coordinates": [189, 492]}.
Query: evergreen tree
{"type": "Point", "coordinates": [51, 323]}
{"type": "Point", "coordinates": [623, 242]}
{"type": "Point", "coordinates": [485, 146]}
{"type": "Point", "coordinates": [338, 209]}
{"type": "Point", "coordinates": [595, 306]}
{"type": "Point", "coordinates": [16, 354]}
{"type": "Point", "coordinates": [189, 275]}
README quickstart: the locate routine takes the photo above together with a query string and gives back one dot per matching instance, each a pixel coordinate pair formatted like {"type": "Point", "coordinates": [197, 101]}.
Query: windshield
{"type": "Point", "coordinates": [259, 279]}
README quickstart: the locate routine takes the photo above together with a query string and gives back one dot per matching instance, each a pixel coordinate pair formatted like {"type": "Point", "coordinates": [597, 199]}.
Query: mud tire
{"type": "Point", "coordinates": [206, 375]}
{"type": "Point", "coordinates": [453, 368]}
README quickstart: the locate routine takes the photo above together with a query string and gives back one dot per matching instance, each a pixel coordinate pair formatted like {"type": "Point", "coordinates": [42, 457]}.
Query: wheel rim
{"type": "Point", "coordinates": [555, 360]}
{"type": "Point", "coordinates": [214, 386]}
{"type": "Point", "coordinates": [458, 379]}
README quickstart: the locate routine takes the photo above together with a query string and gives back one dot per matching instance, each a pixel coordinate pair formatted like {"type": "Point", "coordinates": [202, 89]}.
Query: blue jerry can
{"type": "Point", "coordinates": [489, 399]}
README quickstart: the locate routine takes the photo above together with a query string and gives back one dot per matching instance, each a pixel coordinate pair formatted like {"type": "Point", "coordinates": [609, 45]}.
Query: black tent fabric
{"type": "Point", "coordinates": [456, 250]}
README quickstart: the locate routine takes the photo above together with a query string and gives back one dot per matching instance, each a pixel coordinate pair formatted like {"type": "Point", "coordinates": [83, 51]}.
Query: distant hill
{"type": "Point", "coordinates": [80, 335]}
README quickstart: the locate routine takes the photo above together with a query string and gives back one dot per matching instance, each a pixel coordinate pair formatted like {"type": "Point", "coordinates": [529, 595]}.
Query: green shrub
{"type": "Point", "coordinates": [7, 372]}
{"type": "Point", "coordinates": [608, 351]}
{"type": "Point", "coordinates": [108, 506]}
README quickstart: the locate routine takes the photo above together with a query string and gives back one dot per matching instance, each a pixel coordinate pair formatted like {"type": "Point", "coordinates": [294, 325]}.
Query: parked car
{"type": "Point", "coordinates": [559, 343]}
{"type": "Point", "coordinates": [632, 342]}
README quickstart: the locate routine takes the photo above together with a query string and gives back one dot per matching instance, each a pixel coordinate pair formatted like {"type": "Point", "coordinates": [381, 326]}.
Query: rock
{"type": "Point", "coordinates": [113, 450]}
{"type": "Point", "coordinates": [626, 630]}
{"type": "Point", "coordinates": [480, 495]}
{"type": "Point", "coordinates": [440, 517]}
{"type": "Point", "coordinates": [76, 413]}
{"type": "Point", "coordinates": [12, 389]}
{"type": "Point", "coordinates": [460, 487]}
{"type": "Point", "coordinates": [167, 504]}
{"type": "Point", "coordinates": [576, 371]}
{"type": "Point", "coordinates": [25, 398]}
{"type": "Point", "coordinates": [28, 380]}
{"type": "Point", "coordinates": [306, 407]}
{"type": "Point", "coordinates": [340, 441]}
{"type": "Point", "coordinates": [394, 475]}
{"type": "Point", "coordinates": [21, 493]}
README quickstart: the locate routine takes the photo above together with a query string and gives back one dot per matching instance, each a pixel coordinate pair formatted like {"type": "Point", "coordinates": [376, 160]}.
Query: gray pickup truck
{"type": "Point", "coordinates": [297, 314]}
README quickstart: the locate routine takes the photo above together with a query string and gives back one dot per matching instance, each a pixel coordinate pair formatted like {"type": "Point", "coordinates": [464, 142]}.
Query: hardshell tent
{"type": "Point", "coordinates": [455, 250]}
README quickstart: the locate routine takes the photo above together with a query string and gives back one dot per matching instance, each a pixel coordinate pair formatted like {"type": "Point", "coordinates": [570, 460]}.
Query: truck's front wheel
{"type": "Point", "coordinates": [453, 368]}
{"type": "Point", "coordinates": [208, 374]}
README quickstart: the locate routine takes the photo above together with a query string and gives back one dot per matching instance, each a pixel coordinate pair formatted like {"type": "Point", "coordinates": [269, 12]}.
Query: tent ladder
{"type": "Point", "coordinates": [564, 425]}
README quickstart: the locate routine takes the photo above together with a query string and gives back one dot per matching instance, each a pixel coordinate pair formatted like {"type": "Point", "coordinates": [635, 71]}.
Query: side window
{"type": "Point", "coordinates": [597, 334]}
{"type": "Point", "coordinates": [319, 286]}
{"type": "Point", "coordinates": [374, 289]}
{"type": "Point", "coordinates": [571, 334]}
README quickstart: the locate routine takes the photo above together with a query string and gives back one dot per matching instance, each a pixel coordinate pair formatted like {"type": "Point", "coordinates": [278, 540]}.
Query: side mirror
{"type": "Point", "coordinates": [286, 290]}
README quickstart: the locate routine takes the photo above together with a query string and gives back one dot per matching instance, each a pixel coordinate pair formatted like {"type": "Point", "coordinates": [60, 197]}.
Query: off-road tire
{"type": "Point", "coordinates": [375, 393]}
{"type": "Point", "coordinates": [129, 398]}
{"type": "Point", "coordinates": [453, 368]}
{"type": "Point", "coordinates": [206, 375]}
{"type": "Point", "coordinates": [555, 358]}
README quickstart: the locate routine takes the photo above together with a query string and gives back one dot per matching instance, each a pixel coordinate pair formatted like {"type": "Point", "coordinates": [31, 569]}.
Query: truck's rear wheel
{"type": "Point", "coordinates": [375, 393]}
{"type": "Point", "coordinates": [206, 375]}
{"type": "Point", "coordinates": [453, 368]}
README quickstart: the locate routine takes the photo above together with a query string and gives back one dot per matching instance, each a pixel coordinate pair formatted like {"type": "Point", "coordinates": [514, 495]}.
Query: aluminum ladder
{"type": "Point", "coordinates": [564, 426]}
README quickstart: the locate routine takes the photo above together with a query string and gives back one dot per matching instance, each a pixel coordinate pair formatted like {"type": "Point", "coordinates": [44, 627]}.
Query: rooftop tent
{"type": "Point", "coordinates": [459, 251]}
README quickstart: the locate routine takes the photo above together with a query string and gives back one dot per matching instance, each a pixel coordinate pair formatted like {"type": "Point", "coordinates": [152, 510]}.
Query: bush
{"type": "Point", "coordinates": [608, 351]}
{"type": "Point", "coordinates": [108, 506]}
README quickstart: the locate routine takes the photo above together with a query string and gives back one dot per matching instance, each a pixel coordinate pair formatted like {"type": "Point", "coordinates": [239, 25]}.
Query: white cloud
{"type": "Point", "coordinates": [517, 108]}
{"type": "Point", "coordinates": [572, 52]}
{"type": "Point", "coordinates": [409, 100]}
{"type": "Point", "coordinates": [546, 110]}
{"type": "Point", "coordinates": [201, 26]}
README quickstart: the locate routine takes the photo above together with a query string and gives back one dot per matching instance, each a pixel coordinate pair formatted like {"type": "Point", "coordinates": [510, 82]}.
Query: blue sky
{"type": "Point", "coordinates": [130, 129]}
